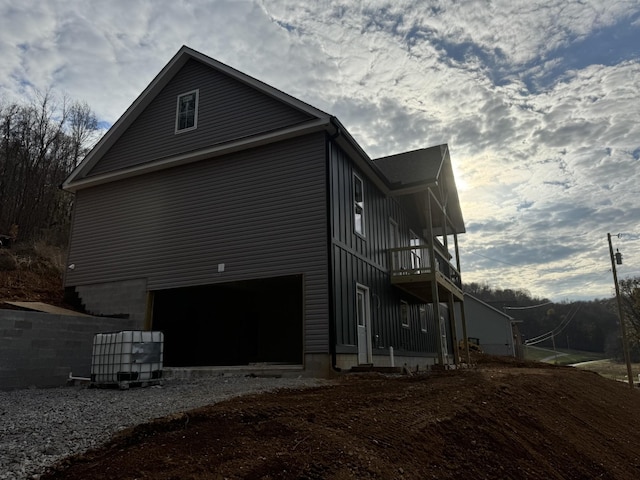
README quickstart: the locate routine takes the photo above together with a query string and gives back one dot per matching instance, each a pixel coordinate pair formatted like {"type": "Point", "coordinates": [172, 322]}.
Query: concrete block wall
{"type": "Point", "coordinates": [41, 349]}
{"type": "Point", "coordinates": [128, 297]}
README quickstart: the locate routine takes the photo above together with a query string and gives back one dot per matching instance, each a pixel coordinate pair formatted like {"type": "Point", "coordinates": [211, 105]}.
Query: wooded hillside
{"type": "Point", "coordinates": [587, 325]}
{"type": "Point", "coordinates": [40, 143]}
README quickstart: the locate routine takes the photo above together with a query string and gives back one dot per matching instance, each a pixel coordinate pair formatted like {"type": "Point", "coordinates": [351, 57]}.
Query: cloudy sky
{"type": "Point", "coordinates": [539, 101]}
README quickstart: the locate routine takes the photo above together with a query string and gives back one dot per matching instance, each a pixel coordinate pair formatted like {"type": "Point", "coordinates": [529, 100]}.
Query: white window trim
{"type": "Point", "coordinates": [367, 317]}
{"type": "Point", "coordinates": [406, 309]}
{"type": "Point", "coordinates": [363, 222]}
{"type": "Point", "coordinates": [195, 115]}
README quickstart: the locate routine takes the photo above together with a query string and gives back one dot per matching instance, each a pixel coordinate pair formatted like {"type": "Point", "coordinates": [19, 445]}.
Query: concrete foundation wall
{"type": "Point", "coordinates": [41, 349]}
{"type": "Point", "coordinates": [345, 361]}
{"type": "Point", "coordinates": [128, 297]}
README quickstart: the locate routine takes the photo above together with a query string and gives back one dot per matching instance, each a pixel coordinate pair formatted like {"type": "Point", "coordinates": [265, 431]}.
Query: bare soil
{"type": "Point", "coordinates": [28, 286]}
{"type": "Point", "coordinates": [501, 419]}
{"type": "Point", "coordinates": [31, 274]}
{"type": "Point", "coordinates": [498, 420]}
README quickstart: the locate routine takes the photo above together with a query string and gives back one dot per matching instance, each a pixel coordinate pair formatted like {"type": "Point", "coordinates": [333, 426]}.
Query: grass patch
{"type": "Point", "coordinates": [560, 356]}
{"type": "Point", "coordinates": [595, 362]}
{"type": "Point", "coordinates": [612, 370]}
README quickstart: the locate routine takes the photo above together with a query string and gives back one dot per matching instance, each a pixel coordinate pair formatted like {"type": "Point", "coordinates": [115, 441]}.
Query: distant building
{"type": "Point", "coordinates": [495, 332]}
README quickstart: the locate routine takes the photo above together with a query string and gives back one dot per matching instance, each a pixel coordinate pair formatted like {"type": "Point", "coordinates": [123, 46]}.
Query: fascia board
{"type": "Point", "coordinates": [257, 84]}
{"type": "Point", "coordinates": [489, 307]}
{"type": "Point", "coordinates": [344, 139]}
{"type": "Point", "coordinates": [413, 188]}
{"type": "Point", "coordinates": [192, 157]}
{"type": "Point", "coordinates": [127, 118]}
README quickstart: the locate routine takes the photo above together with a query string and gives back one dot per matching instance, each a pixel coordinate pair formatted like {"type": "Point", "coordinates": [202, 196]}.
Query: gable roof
{"type": "Point", "coordinates": [77, 180]}
{"type": "Point", "coordinates": [486, 306]}
{"type": "Point", "coordinates": [412, 172]}
{"type": "Point", "coordinates": [401, 174]}
{"type": "Point", "coordinates": [410, 168]}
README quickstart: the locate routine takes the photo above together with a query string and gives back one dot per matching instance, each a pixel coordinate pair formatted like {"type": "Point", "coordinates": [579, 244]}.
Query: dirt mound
{"type": "Point", "coordinates": [32, 273]}
{"type": "Point", "coordinates": [494, 421]}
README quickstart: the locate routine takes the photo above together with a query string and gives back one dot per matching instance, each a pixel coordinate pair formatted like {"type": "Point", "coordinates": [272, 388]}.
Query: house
{"type": "Point", "coordinates": [494, 331]}
{"type": "Point", "coordinates": [250, 227]}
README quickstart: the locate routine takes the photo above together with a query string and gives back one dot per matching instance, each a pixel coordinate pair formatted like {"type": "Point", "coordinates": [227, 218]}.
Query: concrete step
{"type": "Point", "coordinates": [256, 370]}
{"type": "Point", "coordinates": [373, 368]}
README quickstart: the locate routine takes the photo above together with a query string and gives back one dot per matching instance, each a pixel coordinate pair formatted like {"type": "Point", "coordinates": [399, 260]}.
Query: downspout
{"type": "Point", "coordinates": [465, 339]}
{"type": "Point", "coordinates": [464, 332]}
{"type": "Point", "coordinates": [434, 280]}
{"type": "Point", "coordinates": [450, 302]}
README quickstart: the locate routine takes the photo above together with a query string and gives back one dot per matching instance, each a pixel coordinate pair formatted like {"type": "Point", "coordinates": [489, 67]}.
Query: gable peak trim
{"type": "Point", "coordinates": [165, 75]}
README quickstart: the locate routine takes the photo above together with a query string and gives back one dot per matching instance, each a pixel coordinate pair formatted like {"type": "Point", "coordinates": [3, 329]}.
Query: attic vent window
{"type": "Point", "coordinates": [187, 112]}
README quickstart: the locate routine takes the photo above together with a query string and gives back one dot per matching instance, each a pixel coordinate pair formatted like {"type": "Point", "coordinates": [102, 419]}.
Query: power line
{"type": "Point", "coordinates": [553, 332]}
{"type": "Point", "coordinates": [530, 306]}
{"type": "Point", "coordinates": [501, 261]}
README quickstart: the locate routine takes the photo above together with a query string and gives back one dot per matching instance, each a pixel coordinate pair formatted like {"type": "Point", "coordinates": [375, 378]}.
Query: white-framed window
{"type": "Point", "coordinates": [423, 318]}
{"type": "Point", "coordinates": [404, 313]}
{"type": "Point", "coordinates": [358, 205]}
{"type": "Point", "coordinates": [187, 111]}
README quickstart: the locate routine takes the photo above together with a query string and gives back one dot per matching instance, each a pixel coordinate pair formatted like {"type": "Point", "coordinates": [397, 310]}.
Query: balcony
{"type": "Point", "coordinates": [411, 270]}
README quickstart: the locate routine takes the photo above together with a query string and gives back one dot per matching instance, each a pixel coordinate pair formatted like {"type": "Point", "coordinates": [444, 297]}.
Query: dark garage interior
{"type": "Point", "coordinates": [236, 323]}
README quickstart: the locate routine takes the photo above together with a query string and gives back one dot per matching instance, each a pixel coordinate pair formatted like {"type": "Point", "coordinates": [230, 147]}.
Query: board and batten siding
{"type": "Point", "coordinates": [261, 213]}
{"type": "Point", "coordinates": [364, 260]}
{"type": "Point", "coordinates": [227, 110]}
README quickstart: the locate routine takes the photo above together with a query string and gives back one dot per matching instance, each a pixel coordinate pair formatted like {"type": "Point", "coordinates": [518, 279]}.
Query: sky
{"type": "Point", "coordinates": [538, 100]}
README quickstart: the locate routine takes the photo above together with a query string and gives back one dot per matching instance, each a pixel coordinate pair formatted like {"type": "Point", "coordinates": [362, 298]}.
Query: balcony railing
{"type": "Point", "coordinates": [415, 260]}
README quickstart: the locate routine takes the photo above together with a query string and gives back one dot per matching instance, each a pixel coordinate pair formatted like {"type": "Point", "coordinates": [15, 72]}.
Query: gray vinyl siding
{"type": "Point", "coordinates": [227, 110]}
{"type": "Point", "coordinates": [364, 260]}
{"type": "Point", "coordinates": [261, 212]}
{"type": "Point", "coordinates": [492, 327]}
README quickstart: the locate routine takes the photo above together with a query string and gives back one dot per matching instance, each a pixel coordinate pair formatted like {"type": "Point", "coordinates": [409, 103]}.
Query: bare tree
{"type": "Point", "coordinates": [40, 143]}
{"type": "Point", "coordinates": [630, 296]}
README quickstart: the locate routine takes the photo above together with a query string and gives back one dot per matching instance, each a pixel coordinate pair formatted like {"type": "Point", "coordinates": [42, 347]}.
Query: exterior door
{"type": "Point", "coordinates": [363, 319]}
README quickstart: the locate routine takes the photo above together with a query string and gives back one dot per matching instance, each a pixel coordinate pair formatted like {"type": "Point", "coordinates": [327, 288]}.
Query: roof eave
{"type": "Point", "coordinates": [191, 157]}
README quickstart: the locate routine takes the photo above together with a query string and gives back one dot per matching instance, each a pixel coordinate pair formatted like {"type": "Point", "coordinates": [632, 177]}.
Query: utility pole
{"type": "Point", "coordinates": [617, 258]}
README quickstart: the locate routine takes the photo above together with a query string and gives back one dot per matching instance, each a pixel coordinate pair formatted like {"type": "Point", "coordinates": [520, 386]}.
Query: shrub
{"type": "Point", "coordinates": [7, 261]}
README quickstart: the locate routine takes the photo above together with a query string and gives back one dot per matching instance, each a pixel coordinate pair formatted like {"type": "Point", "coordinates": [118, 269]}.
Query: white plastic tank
{"type": "Point", "coordinates": [127, 357]}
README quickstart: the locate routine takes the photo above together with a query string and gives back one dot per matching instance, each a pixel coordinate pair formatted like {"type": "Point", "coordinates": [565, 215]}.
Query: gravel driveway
{"type": "Point", "coordinates": [40, 426]}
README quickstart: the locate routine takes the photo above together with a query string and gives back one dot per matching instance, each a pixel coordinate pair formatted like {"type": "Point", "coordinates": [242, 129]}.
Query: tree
{"type": "Point", "coordinates": [40, 143]}
{"type": "Point", "coordinates": [630, 299]}
{"type": "Point", "coordinates": [589, 326]}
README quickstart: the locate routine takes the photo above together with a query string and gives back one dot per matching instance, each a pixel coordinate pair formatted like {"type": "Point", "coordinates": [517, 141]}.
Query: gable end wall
{"type": "Point", "coordinates": [261, 212]}
{"type": "Point", "coordinates": [227, 110]}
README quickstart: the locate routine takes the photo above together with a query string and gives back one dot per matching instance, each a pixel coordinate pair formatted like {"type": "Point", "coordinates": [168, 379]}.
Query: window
{"type": "Point", "coordinates": [404, 313]}
{"type": "Point", "coordinates": [358, 205]}
{"type": "Point", "coordinates": [187, 112]}
{"type": "Point", "coordinates": [423, 318]}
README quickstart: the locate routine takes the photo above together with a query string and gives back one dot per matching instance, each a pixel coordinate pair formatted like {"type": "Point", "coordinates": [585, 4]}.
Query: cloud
{"type": "Point", "coordinates": [536, 99]}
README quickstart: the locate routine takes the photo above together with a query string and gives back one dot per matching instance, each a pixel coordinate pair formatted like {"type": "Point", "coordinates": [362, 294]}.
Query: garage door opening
{"type": "Point", "coordinates": [237, 323]}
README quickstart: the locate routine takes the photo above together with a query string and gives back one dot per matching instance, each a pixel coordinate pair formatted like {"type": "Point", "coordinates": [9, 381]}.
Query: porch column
{"type": "Point", "coordinates": [434, 278]}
